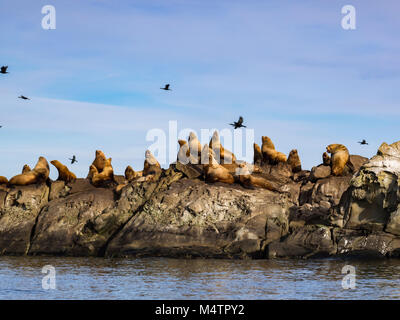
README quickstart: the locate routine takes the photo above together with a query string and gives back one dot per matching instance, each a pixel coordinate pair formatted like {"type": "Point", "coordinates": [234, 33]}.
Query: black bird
{"type": "Point", "coordinates": [3, 69]}
{"type": "Point", "coordinates": [362, 142]}
{"type": "Point", "coordinates": [73, 160]}
{"type": "Point", "coordinates": [166, 87]}
{"type": "Point", "coordinates": [23, 97]}
{"type": "Point", "coordinates": [238, 124]}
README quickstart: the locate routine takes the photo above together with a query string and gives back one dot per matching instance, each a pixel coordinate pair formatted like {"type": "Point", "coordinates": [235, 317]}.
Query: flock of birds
{"type": "Point", "coordinates": [235, 124]}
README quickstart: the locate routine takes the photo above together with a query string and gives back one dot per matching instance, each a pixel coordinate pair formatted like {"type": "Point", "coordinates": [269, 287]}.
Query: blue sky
{"type": "Point", "coordinates": [287, 67]}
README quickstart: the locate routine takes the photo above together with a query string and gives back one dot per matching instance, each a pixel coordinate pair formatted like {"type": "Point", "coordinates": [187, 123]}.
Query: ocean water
{"type": "Point", "coordinates": [163, 278]}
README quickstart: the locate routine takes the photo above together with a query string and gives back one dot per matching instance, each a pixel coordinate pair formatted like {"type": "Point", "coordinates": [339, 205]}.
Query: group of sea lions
{"type": "Point", "coordinates": [217, 163]}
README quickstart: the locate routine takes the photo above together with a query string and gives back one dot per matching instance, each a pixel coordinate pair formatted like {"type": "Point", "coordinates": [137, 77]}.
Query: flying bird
{"type": "Point", "coordinates": [362, 142]}
{"type": "Point", "coordinates": [238, 124]}
{"type": "Point", "coordinates": [166, 87]}
{"type": "Point", "coordinates": [24, 98]}
{"type": "Point", "coordinates": [73, 160]}
{"type": "Point", "coordinates": [3, 69]}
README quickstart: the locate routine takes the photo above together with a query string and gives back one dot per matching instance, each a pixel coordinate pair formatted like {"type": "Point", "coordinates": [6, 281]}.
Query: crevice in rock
{"type": "Point", "coordinates": [33, 230]}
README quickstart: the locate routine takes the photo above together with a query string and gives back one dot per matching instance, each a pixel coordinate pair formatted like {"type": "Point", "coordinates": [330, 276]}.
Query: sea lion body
{"type": "Point", "coordinates": [294, 161]}
{"type": "Point", "coordinates": [326, 159]}
{"type": "Point", "coordinates": [194, 148]}
{"type": "Point", "coordinates": [270, 155]}
{"type": "Point", "coordinates": [340, 157]}
{"type": "Point", "coordinates": [151, 165]}
{"type": "Point", "coordinates": [257, 159]}
{"type": "Point", "coordinates": [214, 172]}
{"type": "Point", "coordinates": [249, 181]}
{"type": "Point", "coordinates": [221, 155]}
{"type": "Point", "coordinates": [39, 174]}
{"type": "Point", "coordinates": [130, 174]}
{"type": "Point", "coordinates": [26, 169]}
{"type": "Point", "coordinates": [104, 176]}
{"type": "Point", "coordinates": [63, 172]}
{"type": "Point", "coordinates": [99, 162]}
{"type": "Point", "coordinates": [3, 180]}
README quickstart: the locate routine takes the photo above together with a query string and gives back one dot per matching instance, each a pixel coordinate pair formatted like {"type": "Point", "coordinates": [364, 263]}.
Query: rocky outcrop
{"type": "Point", "coordinates": [312, 214]}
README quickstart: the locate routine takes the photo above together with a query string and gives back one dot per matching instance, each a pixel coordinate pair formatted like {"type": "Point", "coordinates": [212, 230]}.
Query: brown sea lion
{"type": "Point", "coordinates": [270, 155]}
{"type": "Point", "coordinates": [294, 161]}
{"type": "Point", "coordinates": [221, 155]}
{"type": "Point", "coordinates": [3, 180]}
{"type": "Point", "coordinates": [130, 174]}
{"type": "Point", "coordinates": [63, 172]}
{"type": "Point", "coordinates": [340, 157]}
{"type": "Point", "coordinates": [26, 169]}
{"type": "Point", "coordinates": [106, 175]}
{"type": "Point", "coordinates": [100, 160]}
{"type": "Point", "coordinates": [151, 165]}
{"type": "Point", "coordinates": [194, 148]}
{"type": "Point", "coordinates": [250, 181]}
{"type": "Point", "coordinates": [214, 172]}
{"type": "Point", "coordinates": [39, 174]}
{"type": "Point", "coordinates": [184, 155]}
{"type": "Point", "coordinates": [257, 160]}
{"type": "Point", "coordinates": [326, 159]}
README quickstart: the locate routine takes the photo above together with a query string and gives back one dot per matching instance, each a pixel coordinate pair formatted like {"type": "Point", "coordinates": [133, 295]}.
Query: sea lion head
{"type": "Point", "coordinates": [182, 142]}
{"type": "Point", "coordinates": [192, 136]}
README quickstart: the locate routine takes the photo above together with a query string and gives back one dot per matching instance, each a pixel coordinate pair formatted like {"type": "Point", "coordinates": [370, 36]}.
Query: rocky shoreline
{"type": "Point", "coordinates": [315, 214]}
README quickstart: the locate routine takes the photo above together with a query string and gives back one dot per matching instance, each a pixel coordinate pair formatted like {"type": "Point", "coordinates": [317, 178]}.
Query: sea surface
{"type": "Point", "coordinates": [163, 278]}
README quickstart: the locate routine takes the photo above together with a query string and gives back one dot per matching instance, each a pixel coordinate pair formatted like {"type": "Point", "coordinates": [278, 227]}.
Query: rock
{"type": "Point", "coordinates": [304, 242]}
{"type": "Point", "coordinates": [208, 220]}
{"type": "Point", "coordinates": [330, 189]}
{"type": "Point", "coordinates": [359, 243]}
{"type": "Point", "coordinates": [18, 215]}
{"type": "Point", "coordinates": [320, 172]}
{"type": "Point", "coordinates": [120, 179]}
{"type": "Point", "coordinates": [374, 196]}
{"type": "Point", "coordinates": [192, 171]}
{"type": "Point", "coordinates": [65, 226]}
{"type": "Point", "coordinates": [393, 225]}
{"type": "Point", "coordinates": [301, 175]}
{"type": "Point", "coordinates": [58, 189]}
{"type": "Point", "coordinates": [357, 161]}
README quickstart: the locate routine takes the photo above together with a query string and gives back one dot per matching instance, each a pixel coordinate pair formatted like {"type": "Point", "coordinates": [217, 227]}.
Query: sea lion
{"type": "Point", "coordinates": [104, 176]}
{"type": "Point", "coordinates": [100, 160]}
{"type": "Point", "coordinates": [340, 157]}
{"type": "Point", "coordinates": [92, 171]}
{"type": "Point", "coordinates": [130, 174]}
{"type": "Point", "coordinates": [39, 174]}
{"type": "Point", "coordinates": [221, 155]}
{"type": "Point", "coordinates": [294, 161]}
{"type": "Point", "coordinates": [194, 148]}
{"type": "Point", "coordinates": [26, 169]}
{"type": "Point", "coordinates": [326, 159]}
{"type": "Point", "coordinates": [184, 155]}
{"type": "Point", "coordinates": [3, 180]}
{"type": "Point", "coordinates": [270, 155]}
{"type": "Point", "coordinates": [151, 165]}
{"type": "Point", "coordinates": [214, 172]}
{"type": "Point", "coordinates": [63, 172]}
{"type": "Point", "coordinates": [257, 160]}
{"type": "Point", "coordinates": [249, 181]}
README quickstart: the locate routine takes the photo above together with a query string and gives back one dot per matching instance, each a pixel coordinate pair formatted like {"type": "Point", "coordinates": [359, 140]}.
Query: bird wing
{"type": "Point", "coordinates": [240, 120]}
{"type": "Point", "coordinates": [167, 86]}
